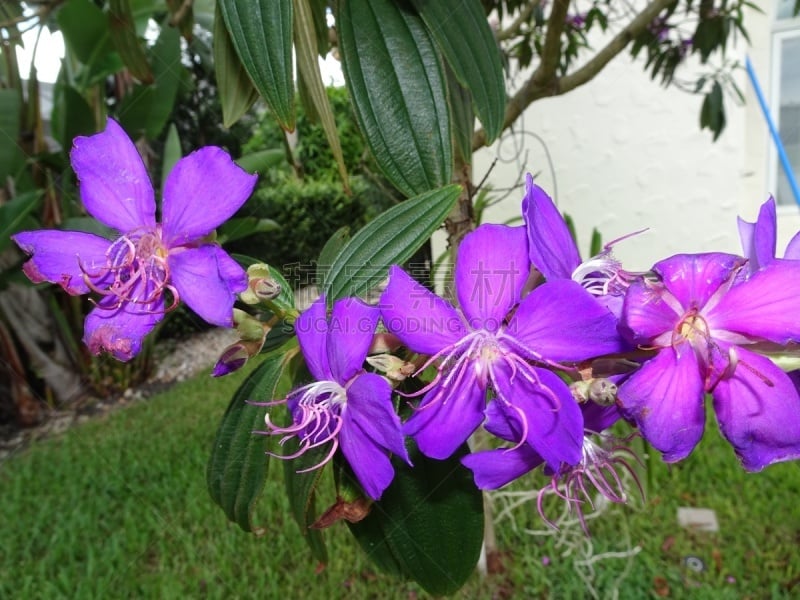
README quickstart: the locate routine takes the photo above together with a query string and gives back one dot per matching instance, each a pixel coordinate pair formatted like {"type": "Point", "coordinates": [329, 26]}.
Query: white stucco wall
{"type": "Point", "coordinates": [628, 154]}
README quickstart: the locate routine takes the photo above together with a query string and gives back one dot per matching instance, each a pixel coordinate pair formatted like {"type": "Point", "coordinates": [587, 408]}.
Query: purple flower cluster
{"type": "Point", "coordinates": [542, 350]}
{"type": "Point", "coordinates": [521, 349]}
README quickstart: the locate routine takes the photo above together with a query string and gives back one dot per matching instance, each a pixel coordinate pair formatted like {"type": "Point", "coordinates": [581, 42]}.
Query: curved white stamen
{"type": "Point", "coordinates": [317, 419]}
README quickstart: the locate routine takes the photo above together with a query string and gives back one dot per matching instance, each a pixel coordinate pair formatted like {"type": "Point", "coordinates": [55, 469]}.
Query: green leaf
{"type": "Point", "coordinates": [428, 523]}
{"type": "Point", "coordinates": [463, 116]}
{"type": "Point", "coordinates": [172, 154]}
{"type": "Point", "coordinates": [391, 238]}
{"type": "Point", "coordinates": [462, 32]}
{"type": "Point", "coordinates": [85, 30]}
{"type": "Point", "coordinates": [13, 213]}
{"type": "Point", "coordinates": [330, 250]}
{"type": "Point", "coordinates": [9, 129]}
{"type": "Point", "coordinates": [301, 489]}
{"type": "Point", "coordinates": [236, 91]}
{"type": "Point", "coordinates": [261, 33]}
{"type": "Point", "coordinates": [242, 227]}
{"type": "Point", "coordinates": [314, 89]}
{"type": "Point", "coordinates": [147, 109]}
{"type": "Point", "coordinates": [262, 160]}
{"type": "Point", "coordinates": [712, 113]}
{"type": "Point", "coordinates": [395, 80]}
{"type": "Point", "coordinates": [127, 42]}
{"type": "Point", "coordinates": [238, 465]}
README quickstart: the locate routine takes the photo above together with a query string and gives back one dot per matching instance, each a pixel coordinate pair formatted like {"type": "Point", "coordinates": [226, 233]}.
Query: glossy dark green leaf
{"type": "Point", "coordinates": [391, 238]}
{"type": "Point", "coordinates": [330, 251]}
{"type": "Point", "coordinates": [127, 42]}
{"type": "Point", "coordinates": [397, 87]}
{"type": "Point", "coordinates": [428, 524]}
{"type": "Point", "coordinates": [308, 68]}
{"type": "Point", "coordinates": [236, 91]}
{"type": "Point", "coordinates": [238, 465]}
{"type": "Point", "coordinates": [261, 33]}
{"type": "Point", "coordinates": [462, 32]}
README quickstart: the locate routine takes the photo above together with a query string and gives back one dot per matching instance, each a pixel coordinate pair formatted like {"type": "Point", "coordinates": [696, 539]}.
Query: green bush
{"type": "Point", "coordinates": [309, 212]}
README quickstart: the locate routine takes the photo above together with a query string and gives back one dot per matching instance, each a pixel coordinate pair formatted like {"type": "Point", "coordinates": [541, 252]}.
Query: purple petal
{"type": "Point", "coordinates": [114, 185]}
{"type": "Point", "coordinates": [793, 248]}
{"type": "Point", "coordinates": [552, 249]}
{"type": "Point", "coordinates": [311, 328]}
{"type": "Point", "coordinates": [440, 427]}
{"type": "Point", "coordinates": [765, 234]}
{"type": "Point", "coordinates": [492, 469]}
{"type": "Point", "coordinates": [201, 192]}
{"type": "Point", "coordinates": [693, 278]}
{"type": "Point", "coordinates": [120, 331]}
{"type": "Point", "coordinates": [371, 428]}
{"type": "Point", "coordinates": [419, 318]}
{"type": "Point", "coordinates": [597, 418]}
{"type": "Point", "coordinates": [758, 410]}
{"type": "Point", "coordinates": [552, 420]}
{"type": "Point", "coordinates": [491, 270]}
{"type": "Point", "coordinates": [207, 279]}
{"type": "Point", "coordinates": [763, 306]}
{"type": "Point", "coordinates": [350, 334]}
{"type": "Point", "coordinates": [646, 314]}
{"type": "Point", "coordinates": [665, 398]}
{"type": "Point", "coordinates": [559, 320]}
{"type": "Point", "coordinates": [369, 403]}
{"type": "Point", "coordinates": [63, 257]}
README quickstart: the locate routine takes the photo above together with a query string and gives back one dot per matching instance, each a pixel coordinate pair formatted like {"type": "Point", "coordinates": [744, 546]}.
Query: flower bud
{"type": "Point", "coordinates": [235, 356]}
{"type": "Point", "coordinates": [261, 285]}
{"type": "Point", "coordinates": [393, 367]}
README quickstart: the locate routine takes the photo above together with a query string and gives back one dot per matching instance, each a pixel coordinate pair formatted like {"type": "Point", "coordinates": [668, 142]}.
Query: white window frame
{"type": "Point", "coordinates": [782, 30]}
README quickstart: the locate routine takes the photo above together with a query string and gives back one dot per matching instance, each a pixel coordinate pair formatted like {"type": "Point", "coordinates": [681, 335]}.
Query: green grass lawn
{"type": "Point", "coordinates": [118, 508]}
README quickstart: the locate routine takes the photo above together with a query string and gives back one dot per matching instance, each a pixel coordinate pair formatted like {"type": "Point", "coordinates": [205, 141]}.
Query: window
{"type": "Point", "coordinates": [786, 98]}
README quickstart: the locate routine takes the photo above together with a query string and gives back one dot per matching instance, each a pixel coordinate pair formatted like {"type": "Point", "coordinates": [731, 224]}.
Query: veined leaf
{"type": "Point", "coordinates": [391, 238]}
{"type": "Point", "coordinates": [236, 91]}
{"type": "Point", "coordinates": [462, 32]}
{"type": "Point", "coordinates": [261, 33]}
{"type": "Point", "coordinates": [330, 250]}
{"type": "Point", "coordinates": [428, 524]}
{"type": "Point", "coordinates": [238, 465]}
{"type": "Point", "coordinates": [395, 80]}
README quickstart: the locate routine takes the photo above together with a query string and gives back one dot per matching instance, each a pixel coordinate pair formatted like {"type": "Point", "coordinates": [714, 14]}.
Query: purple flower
{"type": "Point", "coordinates": [601, 458]}
{"type": "Point", "coordinates": [148, 261]}
{"type": "Point", "coordinates": [759, 239]}
{"type": "Point", "coordinates": [554, 254]}
{"type": "Point", "coordinates": [706, 325]}
{"type": "Point", "coordinates": [345, 407]}
{"type": "Point", "coordinates": [490, 344]}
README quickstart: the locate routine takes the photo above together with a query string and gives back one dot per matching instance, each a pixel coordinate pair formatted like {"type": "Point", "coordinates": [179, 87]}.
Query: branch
{"type": "Point", "coordinates": [536, 89]}
{"type": "Point", "coordinates": [515, 27]}
{"type": "Point", "coordinates": [551, 50]}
